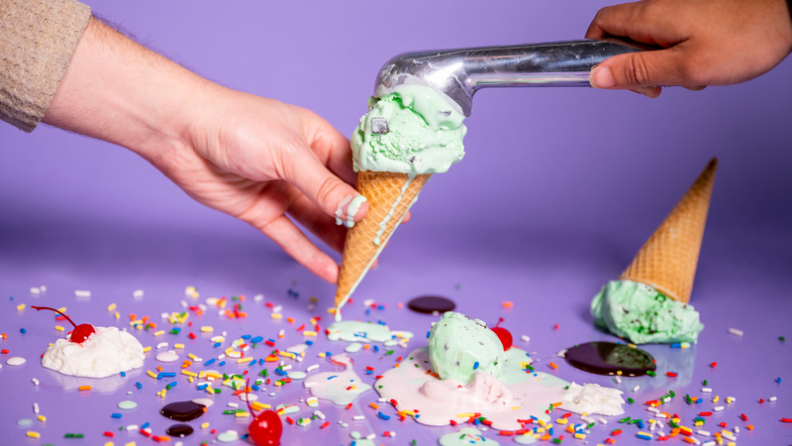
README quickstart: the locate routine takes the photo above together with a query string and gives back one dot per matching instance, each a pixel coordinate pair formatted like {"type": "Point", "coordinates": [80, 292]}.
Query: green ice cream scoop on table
{"type": "Point", "coordinates": [643, 315]}
{"type": "Point", "coordinates": [460, 346]}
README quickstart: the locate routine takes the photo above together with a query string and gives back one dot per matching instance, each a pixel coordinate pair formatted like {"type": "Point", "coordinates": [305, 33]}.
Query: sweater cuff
{"type": "Point", "coordinates": [37, 41]}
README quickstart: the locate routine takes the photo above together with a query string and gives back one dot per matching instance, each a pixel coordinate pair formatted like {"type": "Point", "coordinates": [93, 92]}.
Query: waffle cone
{"type": "Point", "coordinates": [668, 260]}
{"type": "Point", "coordinates": [383, 190]}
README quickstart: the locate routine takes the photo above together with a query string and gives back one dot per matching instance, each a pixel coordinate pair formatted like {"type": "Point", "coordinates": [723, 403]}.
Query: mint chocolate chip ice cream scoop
{"type": "Point", "coordinates": [644, 315]}
{"type": "Point", "coordinates": [459, 346]}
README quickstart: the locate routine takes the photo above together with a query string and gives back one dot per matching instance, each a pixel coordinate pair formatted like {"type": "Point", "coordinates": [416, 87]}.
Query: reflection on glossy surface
{"type": "Point", "coordinates": [680, 360]}
{"type": "Point", "coordinates": [102, 385]}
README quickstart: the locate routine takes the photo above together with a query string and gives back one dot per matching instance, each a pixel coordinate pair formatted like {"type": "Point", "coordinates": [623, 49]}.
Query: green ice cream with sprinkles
{"type": "Point", "coordinates": [644, 315]}
{"type": "Point", "coordinates": [459, 346]}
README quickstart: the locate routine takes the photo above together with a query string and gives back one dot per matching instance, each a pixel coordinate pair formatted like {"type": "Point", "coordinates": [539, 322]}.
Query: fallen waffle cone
{"type": "Point", "coordinates": [385, 195]}
{"type": "Point", "coordinates": [668, 260]}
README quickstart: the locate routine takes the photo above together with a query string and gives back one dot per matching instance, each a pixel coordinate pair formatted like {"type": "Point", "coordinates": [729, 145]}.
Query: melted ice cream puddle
{"type": "Point", "coordinates": [515, 396]}
{"type": "Point", "coordinates": [339, 387]}
{"type": "Point", "coordinates": [107, 352]}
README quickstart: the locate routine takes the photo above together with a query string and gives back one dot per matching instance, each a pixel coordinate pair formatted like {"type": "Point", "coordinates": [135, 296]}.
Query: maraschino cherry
{"type": "Point", "coordinates": [503, 334]}
{"type": "Point", "coordinates": [80, 333]}
{"type": "Point", "coordinates": [266, 428]}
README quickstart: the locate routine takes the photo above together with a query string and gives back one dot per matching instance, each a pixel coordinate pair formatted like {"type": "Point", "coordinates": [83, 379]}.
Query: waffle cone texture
{"type": "Point", "coordinates": [383, 190]}
{"type": "Point", "coordinates": [668, 260]}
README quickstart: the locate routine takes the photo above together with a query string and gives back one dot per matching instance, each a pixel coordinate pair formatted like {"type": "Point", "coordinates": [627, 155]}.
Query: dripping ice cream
{"type": "Point", "coordinates": [404, 138]}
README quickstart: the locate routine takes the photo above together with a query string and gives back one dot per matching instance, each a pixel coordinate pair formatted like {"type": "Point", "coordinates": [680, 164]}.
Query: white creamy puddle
{"type": "Point", "coordinates": [593, 399]}
{"type": "Point", "coordinates": [107, 352]}
{"type": "Point", "coordinates": [355, 331]}
{"type": "Point", "coordinates": [339, 387]}
{"type": "Point", "coordinates": [516, 396]}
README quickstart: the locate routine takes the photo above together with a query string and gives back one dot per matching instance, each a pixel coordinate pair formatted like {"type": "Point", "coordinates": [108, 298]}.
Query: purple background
{"type": "Point", "coordinates": [557, 191]}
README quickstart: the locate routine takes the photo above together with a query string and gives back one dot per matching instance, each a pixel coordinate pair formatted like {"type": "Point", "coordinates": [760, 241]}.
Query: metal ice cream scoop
{"type": "Point", "coordinates": [459, 73]}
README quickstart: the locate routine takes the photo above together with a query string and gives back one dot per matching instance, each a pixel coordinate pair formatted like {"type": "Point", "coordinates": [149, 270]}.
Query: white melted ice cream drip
{"type": "Point", "coordinates": [107, 352]}
{"type": "Point", "coordinates": [593, 398]}
{"type": "Point", "coordinates": [347, 218]}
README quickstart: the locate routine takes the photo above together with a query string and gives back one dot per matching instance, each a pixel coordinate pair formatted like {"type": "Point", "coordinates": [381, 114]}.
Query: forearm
{"type": "Point", "coordinates": [121, 92]}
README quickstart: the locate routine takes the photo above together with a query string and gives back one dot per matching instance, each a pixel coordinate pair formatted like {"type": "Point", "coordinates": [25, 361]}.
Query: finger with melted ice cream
{"type": "Point", "coordinates": [460, 346]}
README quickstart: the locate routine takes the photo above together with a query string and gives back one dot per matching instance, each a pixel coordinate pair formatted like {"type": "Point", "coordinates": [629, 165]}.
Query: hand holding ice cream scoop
{"type": "Point", "coordinates": [414, 128]}
{"type": "Point", "coordinates": [649, 302]}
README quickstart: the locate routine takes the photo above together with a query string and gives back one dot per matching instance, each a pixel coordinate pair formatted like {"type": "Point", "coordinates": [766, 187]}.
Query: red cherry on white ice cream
{"type": "Point", "coordinates": [503, 334]}
{"type": "Point", "coordinates": [80, 333]}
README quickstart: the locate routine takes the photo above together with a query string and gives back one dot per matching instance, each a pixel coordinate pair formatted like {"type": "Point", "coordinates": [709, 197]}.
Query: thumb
{"type": "Point", "coordinates": [335, 197]}
{"type": "Point", "coordinates": [634, 71]}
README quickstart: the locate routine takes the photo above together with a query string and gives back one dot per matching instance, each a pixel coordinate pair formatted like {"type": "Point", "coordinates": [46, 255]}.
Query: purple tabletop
{"type": "Point", "coordinates": [558, 190]}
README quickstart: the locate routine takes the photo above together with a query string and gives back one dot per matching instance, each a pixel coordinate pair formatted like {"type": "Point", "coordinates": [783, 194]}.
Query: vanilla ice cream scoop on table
{"type": "Point", "coordinates": [403, 139]}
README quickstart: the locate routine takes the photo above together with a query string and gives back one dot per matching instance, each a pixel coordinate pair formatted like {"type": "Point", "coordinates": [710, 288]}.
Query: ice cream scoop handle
{"type": "Point", "coordinates": [565, 64]}
{"type": "Point", "coordinates": [461, 72]}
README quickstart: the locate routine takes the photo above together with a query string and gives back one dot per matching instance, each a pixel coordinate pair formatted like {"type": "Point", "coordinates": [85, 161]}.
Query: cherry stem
{"type": "Point", "coordinates": [500, 319]}
{"type": "Point", "coordinates": [247, 384]}
{"type": "Point", "coordinates": [52, 309]}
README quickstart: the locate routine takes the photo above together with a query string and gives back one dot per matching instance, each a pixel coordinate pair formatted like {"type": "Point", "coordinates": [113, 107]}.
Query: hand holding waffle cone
{"type": "Point", "coordinates": [389, 195]}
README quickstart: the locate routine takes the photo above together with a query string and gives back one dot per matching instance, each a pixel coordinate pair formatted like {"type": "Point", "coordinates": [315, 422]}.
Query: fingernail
{"type": "Point", "coordinates": [356, 209]}
{"type": "Point", "coordinates": [650, 92]}
{"type": "Point", "coordinates": [350, 210]}
{"type": "Point", "coordinates": [600, 77]}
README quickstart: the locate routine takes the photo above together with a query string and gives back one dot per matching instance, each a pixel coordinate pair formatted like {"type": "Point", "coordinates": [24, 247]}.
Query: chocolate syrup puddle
{"type": "Point", "coordinates": [431, 304]}
{"type": "Point", "coordinates": [607, 358]}
{"type": "Point", "coordinates": [183, 410]}
{"type": "Point", "coordinates": [179, 430]}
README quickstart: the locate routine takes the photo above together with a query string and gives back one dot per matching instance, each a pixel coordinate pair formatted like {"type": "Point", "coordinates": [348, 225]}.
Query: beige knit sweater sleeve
{"type": "Point", "coordinates": [37, 41]}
